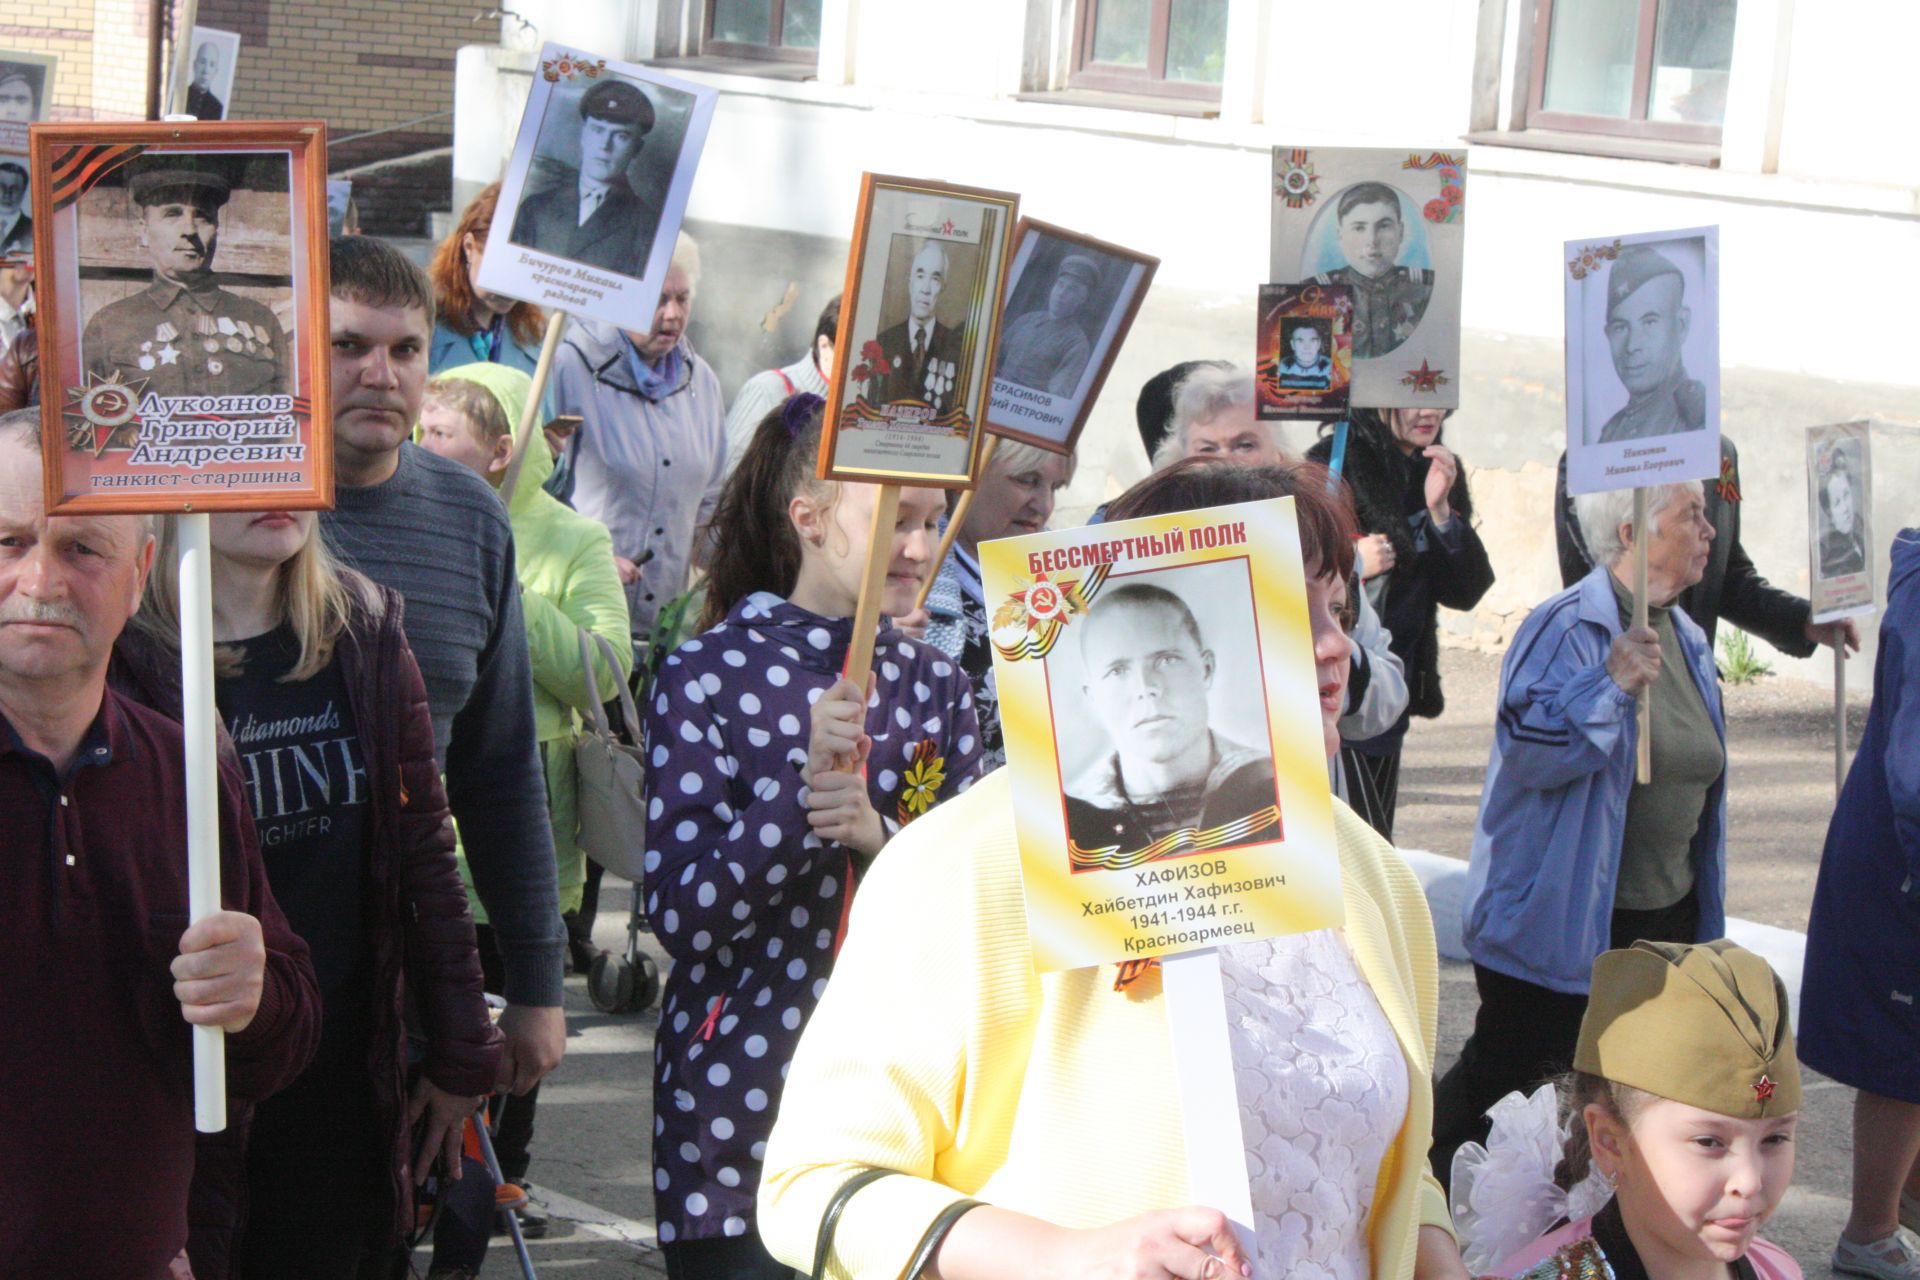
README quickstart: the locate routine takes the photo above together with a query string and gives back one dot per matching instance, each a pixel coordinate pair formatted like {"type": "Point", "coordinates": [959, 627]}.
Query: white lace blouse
{"type": "Point", "coordinates": [1323, 1092]}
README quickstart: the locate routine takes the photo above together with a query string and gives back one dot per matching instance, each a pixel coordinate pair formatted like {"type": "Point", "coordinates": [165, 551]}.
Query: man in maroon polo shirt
{"type": "Point", "coordinates": [99, 973]}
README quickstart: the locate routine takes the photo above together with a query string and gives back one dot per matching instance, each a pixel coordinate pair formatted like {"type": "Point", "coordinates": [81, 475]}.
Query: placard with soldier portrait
{"type": "Point", "coordinates": [26, 93]}
{"type": "Point", "coordinates": [597, 187]}
{"type": "Point", "coordinates": [919, 326]}
{"type": "Point", "coordinates": [215, 57]}
{"type": "Point", "coordinates": [1070, 301]}
{"type": "Point", "coordinates": [182, 273]}
{"type": "Point", "coordinates": [1390, 226]}
{"type": "Point", "coordinates": [1840, 519]}
{"type": "Point", "coordinates": [1304, 344]}
{"type": "Point", "coordinates": [1643, 359]}
{"type": "Point", "coordinates": [1160, 704]}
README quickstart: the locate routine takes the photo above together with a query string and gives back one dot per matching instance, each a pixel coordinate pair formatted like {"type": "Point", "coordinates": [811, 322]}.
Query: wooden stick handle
{"type": "Point", "coordinates": [1839, 715]}
{"type": "Point", "coordinates": [530, 414]}
{"type": "Point", "coordinates": [954, 521]}
{"type": "Point", "coordinates": [1643, 769]}
{"type": "Point", "coordinates": [873, 584]}
{"type": "Point", "coordinates": [199, 720]}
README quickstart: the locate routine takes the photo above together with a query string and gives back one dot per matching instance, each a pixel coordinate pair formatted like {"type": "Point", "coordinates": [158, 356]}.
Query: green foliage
{"type": "Point", "coordinates": [1740, 662]}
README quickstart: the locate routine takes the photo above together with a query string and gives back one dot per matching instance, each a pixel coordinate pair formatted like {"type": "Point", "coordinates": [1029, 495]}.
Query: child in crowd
{"type": "Point", "coordinates": [1678, 1135]}
{"type": "Point", "coordinates": [772, 781]}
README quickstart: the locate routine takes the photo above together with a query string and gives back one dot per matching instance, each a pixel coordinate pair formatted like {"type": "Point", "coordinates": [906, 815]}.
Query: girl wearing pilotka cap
{"type": "Point", "coordinates": [1679, 1131]}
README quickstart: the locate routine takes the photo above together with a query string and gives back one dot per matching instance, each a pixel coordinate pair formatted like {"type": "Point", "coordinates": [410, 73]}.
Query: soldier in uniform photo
{"type": "Point", "coordinates": [1172, 782]}
{"type": "Point", "coordinates": [1388, 299]}
{"type": "Point", "coordinates": [1308, 366]}
{"type": "Point", "coordinates": [16, 227]}
{"type": "Point", "coordinates": [202, 104]}
{"type": "Point", "coordinates": [19, 93]}
{"type": "Point", "coordinates": [593, 215]}
{"type": "Point", "coordinates": [184, 334]}
{"type": "Point", "coordinates": [1842, 550]}
{"type": "Point", "coordinates": [1647, 323]}
{"type": "Point", "coordinates": [922, 355]}
{"type": "Point", "coordinates": [1047, 349]}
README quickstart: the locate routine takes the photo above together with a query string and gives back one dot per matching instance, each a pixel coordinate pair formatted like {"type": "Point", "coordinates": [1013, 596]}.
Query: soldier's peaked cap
{"type": "Point", "coordinates": [1079, 264]}
{"type": "Point", "coordinates": [618, 102]}
{"type": "Point", "coordinates": [10, 71]}
{"type": "Point", "coordinates": [1637, 264]}
{"type": "Point", "coordinates": [198, 186]}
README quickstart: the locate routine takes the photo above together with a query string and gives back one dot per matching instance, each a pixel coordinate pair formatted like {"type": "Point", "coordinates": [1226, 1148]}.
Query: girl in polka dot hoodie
{"type": "Point", "coordinates": [757, 828]}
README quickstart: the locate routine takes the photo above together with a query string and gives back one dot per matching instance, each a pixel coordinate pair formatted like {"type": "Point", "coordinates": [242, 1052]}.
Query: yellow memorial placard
{"type": "Point", "coordinates": [1162, 721]}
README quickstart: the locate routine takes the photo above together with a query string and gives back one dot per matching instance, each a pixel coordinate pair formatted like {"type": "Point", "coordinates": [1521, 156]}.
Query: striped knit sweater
{"type": "Point", "coordinates": [438, 535]}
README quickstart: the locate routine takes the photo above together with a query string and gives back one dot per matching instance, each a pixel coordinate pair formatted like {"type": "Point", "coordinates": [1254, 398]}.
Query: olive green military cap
{"type": "Point", "coordinates": [1637, 264]}
{"type": "Point", "coordinates": [1705, 1024]}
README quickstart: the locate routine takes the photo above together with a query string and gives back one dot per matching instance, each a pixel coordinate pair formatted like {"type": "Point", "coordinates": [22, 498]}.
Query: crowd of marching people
{"type": "Point", "coordinates": [400, 681]}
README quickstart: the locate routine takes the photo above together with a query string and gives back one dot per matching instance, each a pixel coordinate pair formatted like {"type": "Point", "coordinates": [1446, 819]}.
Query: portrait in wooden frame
{"type": "Point", "coordinates": [918, 329]}
{"type": "Point", "coordinates": [1070, 301]}
{"type": "Point", "coordinates": [183, 284]}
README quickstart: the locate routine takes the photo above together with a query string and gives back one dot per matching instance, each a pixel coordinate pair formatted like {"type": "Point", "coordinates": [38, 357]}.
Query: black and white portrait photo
{"type": "Point", "coordinates": [924, 323]}
{"type": "Point", "coordinates": [16, 216]}
{"type": "Point", "coordinates": [1643, 358]}
{"type": "Point", "coordinates": [216, 55]}
{"type": "Point", "coordinates": [1389, 225]}
{"type": "Point", "coordinates": [1070, 301]}
{"type": "Point", "coordinates": [599, 180]}
{"type": "Point", "coordinates": [1045, 343]}
{"type": "Point", "coordinates": [1840, 517]}
{"type": "Point", "coordinates": [186, 276]}
{"type": "Point", "coordinates": [1169, 753]}
{"type": "Point", "coordinates": [26, 87]}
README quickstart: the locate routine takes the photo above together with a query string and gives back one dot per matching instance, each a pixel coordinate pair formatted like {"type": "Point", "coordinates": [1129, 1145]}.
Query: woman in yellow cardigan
{"type": "Point", "coordinates": [937, 1052]}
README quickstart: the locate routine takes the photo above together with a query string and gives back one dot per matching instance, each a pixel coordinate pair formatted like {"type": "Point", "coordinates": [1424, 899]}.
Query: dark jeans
{"type": "Point", "coordinates": [735, 1258]}
{"type": "Point", "coordinates": [513, 1114]}
{"type": "Point", "coordinates": [320, 1199]}
{"type": "Point", "coordinates": [1525, 1034]}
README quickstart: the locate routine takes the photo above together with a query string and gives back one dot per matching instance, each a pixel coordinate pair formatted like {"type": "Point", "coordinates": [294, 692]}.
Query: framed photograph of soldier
{"type": "Point", "coordinates": [1840, 516]}
{"type": "Point", "coordinates": [212, 59]}
{"type": "Point", "coordinates": [26, 92]}
{"type": "Point", "coordinates": [919, 326]}
{"type": "Point", "coordinates": [597, 187]}
{"type": "Point", "coordinates": [1643, 359]}
{"type": "Point", "coordinates": [1159, 700]}
{"type": "Point", "coordinates": [1390, 226]}
{"type": "Point", "coordinates": [1070, 301]}
{"type": "Point", "coordinates": [182, 273]}
{"type": "Point", "coordinates": [1303, 367]}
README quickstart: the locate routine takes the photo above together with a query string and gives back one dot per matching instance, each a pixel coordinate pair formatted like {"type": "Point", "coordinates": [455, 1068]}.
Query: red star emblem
{"type": "Point", "coordinates": [1425, 378]}
{"type": "Point", "coordinates": [1763, 1088]}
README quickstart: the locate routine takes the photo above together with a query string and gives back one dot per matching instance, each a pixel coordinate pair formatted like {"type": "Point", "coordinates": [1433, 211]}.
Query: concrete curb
{"type": "Point", "coordinates": [1445, 881]}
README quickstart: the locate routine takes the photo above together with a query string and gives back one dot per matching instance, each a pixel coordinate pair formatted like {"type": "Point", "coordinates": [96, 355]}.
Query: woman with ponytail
{"type": "Point", "coordinates": [773, 781]}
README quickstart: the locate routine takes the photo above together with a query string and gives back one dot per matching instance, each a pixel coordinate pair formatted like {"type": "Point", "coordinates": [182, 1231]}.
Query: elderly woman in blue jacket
{"type": "Point", "coordinates": [1571, 855]}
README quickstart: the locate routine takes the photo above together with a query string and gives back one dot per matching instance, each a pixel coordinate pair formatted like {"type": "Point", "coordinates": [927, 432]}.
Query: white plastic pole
{"type": "Point", "coordinates": [203, 812]}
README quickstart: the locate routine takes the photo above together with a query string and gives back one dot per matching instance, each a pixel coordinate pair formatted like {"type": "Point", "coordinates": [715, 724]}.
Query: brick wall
{"type": "Point", "coordinates": [357, 64]}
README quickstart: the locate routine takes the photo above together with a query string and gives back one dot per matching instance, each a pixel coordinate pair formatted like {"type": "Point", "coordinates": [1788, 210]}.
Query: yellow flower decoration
{"type": "Point", "coordinates": [925, 776]}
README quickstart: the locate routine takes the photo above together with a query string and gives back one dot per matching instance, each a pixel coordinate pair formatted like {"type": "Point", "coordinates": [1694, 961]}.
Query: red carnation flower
{"type": "Point", "coordinates": [1451, 195]}
{"type": "Point", "coordinates": [1436, 211]}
